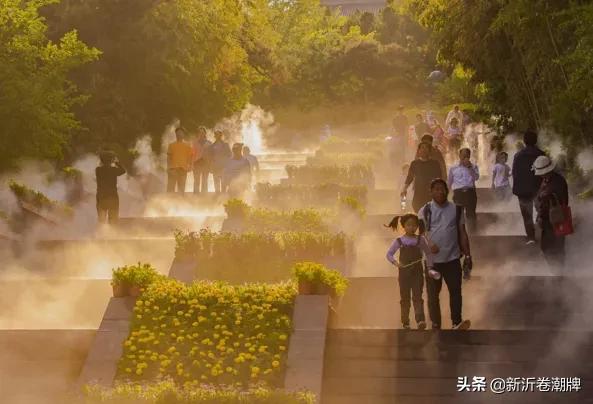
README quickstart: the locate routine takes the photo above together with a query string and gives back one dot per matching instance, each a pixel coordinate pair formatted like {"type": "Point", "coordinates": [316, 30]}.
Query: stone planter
{"type": "Point", "coordinates": [306, 287]}
{"type": "Point", "coordinates": [135, 290]}
{"type": "Point", "coordinates": [120, 289]}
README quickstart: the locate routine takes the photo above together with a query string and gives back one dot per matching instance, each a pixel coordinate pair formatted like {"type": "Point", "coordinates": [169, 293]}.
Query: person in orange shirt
{"type": "Point", "coordinates": [179, 162]}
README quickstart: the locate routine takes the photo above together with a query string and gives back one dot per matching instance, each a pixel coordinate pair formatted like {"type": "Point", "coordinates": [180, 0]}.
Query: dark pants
{"type": "Point", "coordinates": [176, 178]}
{"type": "Point", "coordinates": [468, 199]}
{"type": "Point", "coordinates": [200, 176]}
{"type": "Point", "coordinates": [451, 273]}
{"type": "Point", "coordinates": [218, 182]}
{"type": "Point", "coordinates": [526, 205]}
{"type": "Point", "coordinates": [553, 247]}
{"type": "Point", "coordinates": [411, 281]}
{"type": "Point", "coordinates": [420, 199]}
{"type": "Point", "coordinates": [108, 209]}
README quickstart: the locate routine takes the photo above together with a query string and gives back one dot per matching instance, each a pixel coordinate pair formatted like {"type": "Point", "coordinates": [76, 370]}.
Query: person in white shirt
{"type": "Point", "coordinates": [500, 177]}
{"type": "Point", "coordinates": [462, 181]}
{"type": "Point", "coordinates": [455, 113]}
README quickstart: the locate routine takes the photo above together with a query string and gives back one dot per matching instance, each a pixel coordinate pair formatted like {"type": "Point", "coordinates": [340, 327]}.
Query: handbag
{"type": "Point", "coordinates": [556, 212]}
{"type": "Point", "coordinates": [565, 227]}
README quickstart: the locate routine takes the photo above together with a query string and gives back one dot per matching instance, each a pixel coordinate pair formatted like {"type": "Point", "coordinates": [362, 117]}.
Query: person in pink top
{"type": "Point", "coordinates": [412, 247]}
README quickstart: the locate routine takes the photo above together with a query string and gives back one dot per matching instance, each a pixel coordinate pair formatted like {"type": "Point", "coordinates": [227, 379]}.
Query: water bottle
{"type": "Point", "coordinates": [467, 268]}
{"type": "Point", "coordinates": [403, 203]}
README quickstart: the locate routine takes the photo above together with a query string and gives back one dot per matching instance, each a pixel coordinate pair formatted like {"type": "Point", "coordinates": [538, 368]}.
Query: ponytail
{"type": "Point", "coordinates": [394, 223]}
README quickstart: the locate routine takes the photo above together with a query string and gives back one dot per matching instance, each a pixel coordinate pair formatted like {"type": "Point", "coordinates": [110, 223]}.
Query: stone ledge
{"type": "Point", "coordinates": [307, 344]}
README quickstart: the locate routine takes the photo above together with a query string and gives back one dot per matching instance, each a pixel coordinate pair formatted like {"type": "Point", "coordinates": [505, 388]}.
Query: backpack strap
{"type": "Point", "coordinates": [418, 241]}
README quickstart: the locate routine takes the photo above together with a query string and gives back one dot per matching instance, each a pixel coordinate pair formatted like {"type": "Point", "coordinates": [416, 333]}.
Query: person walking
{"type": "Point", "coordinates": [253, 162]}
{"type": "Point", "coordinates": [107, 197]}
{"type": "Point", "coordinates": [218, 153]}
{"type": "Point", "coordinates": [436, 154]}
{"type": "Point", "coordinates": [448, 240]}
{"type": "Point", "coordinates": [455, 113]}
{"type": "Point", "coordinates": [421, 128]}
{"type": "Point", "coordinates": [454, 136]}
{"type": "Point", "coordinates": [412, 247]}
{"type": "Point", "coordinates": [179, 162]}
{"type": "Point", "coordinates": [462, 181]}
{"type": "Point", "coordinates": [200, 162]}
{"type": "Point", "coordinates": [421, 172]}
{"type": "Point", "coordinates": [525, 183]}
{"type": "Point", "coordinates": [237, 173]}
{"type": "Point", "coordinates": [553, 192]}
{"type": "Point", "coordinates": [500, 177]}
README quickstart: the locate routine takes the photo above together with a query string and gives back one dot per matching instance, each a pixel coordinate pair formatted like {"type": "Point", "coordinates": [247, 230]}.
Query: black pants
{"type": "Point", "coordinates": [526, 205]}
{"type": "Point", "coordinates": [200, 176]}
{"type": "Point", "coordinates": [108, 209]}
{"type": "Point", "coordinates": [451, 273]}
{"type": "Point", "coordinates": [468, 199]}
{"type": "Point", "coordinates": [176, 178]}
{"type": "Point", "coordinates": [411, 281]}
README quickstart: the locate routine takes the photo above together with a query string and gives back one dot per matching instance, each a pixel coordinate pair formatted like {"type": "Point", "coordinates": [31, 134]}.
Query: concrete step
{"type": "Point", "coordinates": [165, 226]}
{"type": "Point", "coordinates": [41, 366]}
{"type": "Point", "coordinates": [36, 303]}
{"type": "Point", "coordinates": [95, 258]}
{"type": "Point", "coordinates": [492, 303]}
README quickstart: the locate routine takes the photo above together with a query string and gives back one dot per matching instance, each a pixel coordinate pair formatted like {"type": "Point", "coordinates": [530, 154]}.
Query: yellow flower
{"type": "Point", "coordinates": [275, 364]}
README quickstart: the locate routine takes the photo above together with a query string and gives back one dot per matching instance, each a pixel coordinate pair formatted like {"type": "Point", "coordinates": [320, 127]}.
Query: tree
{"type": "Point", "coordinates": [36, 96]}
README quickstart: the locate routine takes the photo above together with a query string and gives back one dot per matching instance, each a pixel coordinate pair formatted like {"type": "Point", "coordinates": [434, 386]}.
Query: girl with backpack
{"type": "Point", "coordinates": [411, 247]}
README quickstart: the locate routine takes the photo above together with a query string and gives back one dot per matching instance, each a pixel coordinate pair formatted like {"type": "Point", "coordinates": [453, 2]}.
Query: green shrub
{"type": "Point", "coordinates": [256, 257]}
{"type": "Point", "coordinates": [355, 174]}
{"type": "Point", "coordinates": [167, 392]}
{"type": "Point", "coordinates": [140, 275]}
{"type": "Point", "coordinates": [322, 195]}
{"type": "Point", "coordinates": [319, 274]}
{"type": "Point", "coordinates": [209, 332]}
{"type": "Point", "coordinates": [350, 204]}
{"type": "Point", "coordinates": [263, 220]}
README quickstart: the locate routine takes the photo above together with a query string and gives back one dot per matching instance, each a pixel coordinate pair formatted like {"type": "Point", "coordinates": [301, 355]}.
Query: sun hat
{"type": "Point", "coordinates": [543, 165]}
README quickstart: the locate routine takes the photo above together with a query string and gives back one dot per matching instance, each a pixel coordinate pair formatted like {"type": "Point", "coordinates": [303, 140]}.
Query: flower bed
{"type": "Point", "coordinates": [257, 257]}
{"type": "Point", "coordinates": [247, 218]}
{"type": "Point", "coordinates": [209, 332]}
{"type": "Point", "coordinates": [169, 393]}
{"type": "Point", "coordinates": [324, 195]}
{"type": "Point", "coordinates": [355, 174]}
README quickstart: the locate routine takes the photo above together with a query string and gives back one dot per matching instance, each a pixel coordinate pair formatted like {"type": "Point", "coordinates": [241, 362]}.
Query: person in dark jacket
{"type": "Point", "coordinates": [525, 182]}
{"type": "Point", "coordinates": [421, 172]}
{"type": "Point", "coordinates": [107, 197]}
{"type": "Point", "coordinates": [553, 190]}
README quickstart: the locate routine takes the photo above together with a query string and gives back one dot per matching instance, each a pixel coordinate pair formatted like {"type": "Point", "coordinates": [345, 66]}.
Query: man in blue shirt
{"type": "Point", "coordinates": [447, 238]}
{"type": "Point", "coordinates": [462, 181]}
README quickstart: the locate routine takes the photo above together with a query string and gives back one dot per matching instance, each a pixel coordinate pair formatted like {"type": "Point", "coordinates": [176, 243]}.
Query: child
{"type": "Point", "coordinates": [454, 136]}
{"type": "Point", "coordinates": [411, 279]}
{"type": "Point", "coordinates": [500, 177]}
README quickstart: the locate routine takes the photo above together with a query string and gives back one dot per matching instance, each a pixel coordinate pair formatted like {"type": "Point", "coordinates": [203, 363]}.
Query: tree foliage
{"type": "Point", "coordinates": [532, 58]}
{"type": "Point", "coordinates": [36, 96]}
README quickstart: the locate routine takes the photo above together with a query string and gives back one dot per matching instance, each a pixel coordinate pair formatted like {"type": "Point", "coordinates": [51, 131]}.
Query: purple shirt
{"type": "Point", "coordinates": [410, 241]}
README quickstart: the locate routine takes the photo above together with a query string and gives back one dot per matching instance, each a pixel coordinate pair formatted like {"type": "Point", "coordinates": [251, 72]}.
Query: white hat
{"type": "Point", "coordinates": [543, 165]}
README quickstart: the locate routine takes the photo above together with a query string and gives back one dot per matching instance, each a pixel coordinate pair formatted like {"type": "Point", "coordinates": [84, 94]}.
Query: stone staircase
{"type": "Point", "coordinates": [381, 366]}
{"type": "Point", "coordinates": [41, 366]}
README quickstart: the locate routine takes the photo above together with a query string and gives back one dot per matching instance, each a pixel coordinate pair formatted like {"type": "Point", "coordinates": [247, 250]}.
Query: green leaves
{"type": "Point", "coordinates": [36, 118]}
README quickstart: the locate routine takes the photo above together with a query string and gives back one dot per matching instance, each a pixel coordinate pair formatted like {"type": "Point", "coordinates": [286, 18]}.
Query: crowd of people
{"type": "Point", "coordinates": [232, 168]}
{"type": "Point", "coordinates": [435, 244]}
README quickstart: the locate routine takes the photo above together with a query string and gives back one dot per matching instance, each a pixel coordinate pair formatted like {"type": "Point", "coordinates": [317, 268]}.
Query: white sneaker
{"type": "Point", "coordinates": [530, 242]}
{"type": "Point", "coordinates": [464, 325]}
{"type": "Point", "coordinates": [434, 274]}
